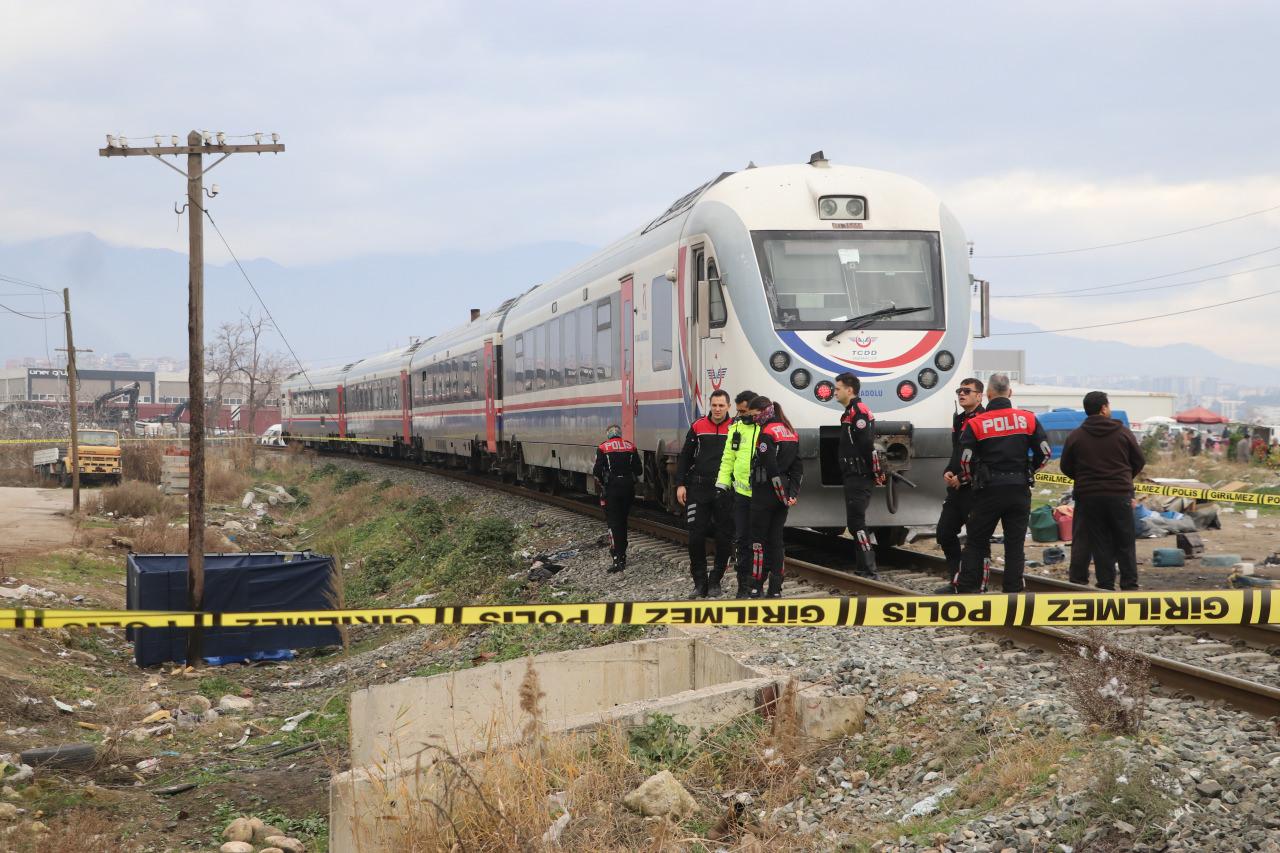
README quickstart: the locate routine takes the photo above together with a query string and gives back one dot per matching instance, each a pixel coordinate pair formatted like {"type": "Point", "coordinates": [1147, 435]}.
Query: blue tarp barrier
{"type": "Point", "coordinates": [241, 583]}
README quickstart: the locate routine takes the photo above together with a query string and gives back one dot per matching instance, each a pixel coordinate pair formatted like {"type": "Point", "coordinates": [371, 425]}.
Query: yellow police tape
{"type": "Point", "coordinates": [1180, 492]}
{"type": "Point", "coordinates": [1226, 607]}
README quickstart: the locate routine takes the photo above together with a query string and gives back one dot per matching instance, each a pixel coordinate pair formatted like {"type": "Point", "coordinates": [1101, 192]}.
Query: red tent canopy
{"type": "Point", "coordinates": [1199, 415]}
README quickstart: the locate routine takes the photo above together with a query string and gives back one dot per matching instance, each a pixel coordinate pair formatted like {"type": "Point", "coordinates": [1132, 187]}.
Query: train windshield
{"type": "Point", "coordinates": [820, 279]}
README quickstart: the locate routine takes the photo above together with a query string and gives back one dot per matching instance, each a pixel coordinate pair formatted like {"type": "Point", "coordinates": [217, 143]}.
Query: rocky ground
{"type": "Point", "coordinates": [971, 744]}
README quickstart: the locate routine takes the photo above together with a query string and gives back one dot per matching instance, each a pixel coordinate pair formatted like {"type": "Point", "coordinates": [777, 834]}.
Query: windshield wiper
{"type": "Point", "coordinates": [864, 319]}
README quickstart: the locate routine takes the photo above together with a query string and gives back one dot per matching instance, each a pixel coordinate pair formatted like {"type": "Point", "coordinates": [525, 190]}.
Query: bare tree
{"type": "Point", "coordinates": [261, 370]}
{"type": "Point", "coordinates": [222, 360]}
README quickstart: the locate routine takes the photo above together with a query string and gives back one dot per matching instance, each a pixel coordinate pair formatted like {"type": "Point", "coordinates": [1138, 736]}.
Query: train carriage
{"type": "Point", "coordinates": [775, 279]}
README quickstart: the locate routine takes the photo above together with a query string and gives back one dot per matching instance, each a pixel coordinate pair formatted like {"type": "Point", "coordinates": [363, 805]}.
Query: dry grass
{"type": "Point", "coordinates": [15, 465]}
{"type": "Point", "coordinates": [1108, 684]}
{"type": "Point", "coordinates": [159, 535]}
{"type": "Point", "coordinates": [1014, 770]}
{"type": "Point", "coordinates": [135, 500]}
{"type": "Point", "coordinates": [224, 483]}
{"type": "Point", "coordinates": [508, 799]}
{"type": "Point", "coordinates": [140, 460]}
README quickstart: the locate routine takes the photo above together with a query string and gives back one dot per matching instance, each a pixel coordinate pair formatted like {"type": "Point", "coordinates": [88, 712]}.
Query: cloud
{"type": "Point", "coordinates": [1029, 213]}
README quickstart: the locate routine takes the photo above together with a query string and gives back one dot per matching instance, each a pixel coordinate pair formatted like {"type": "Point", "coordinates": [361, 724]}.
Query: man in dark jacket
{"type": "Point", "coordinates": [959, 500]}
{"type": "Point", "coordinates": [859, 469]}
{"type": "Point", "coordinates": [706, 506]}
{"type": "Point", "coordinates": [1103, 457]}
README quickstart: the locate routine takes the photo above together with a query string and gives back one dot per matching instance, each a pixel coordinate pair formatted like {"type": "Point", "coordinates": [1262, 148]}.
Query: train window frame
{"type": "Point", "coordinates": [606, 327]}
{"type": "Point", "coordinates": [554, 353]}
{"type": "Point", "coordinates": [586, 344]}
{"type": "Point", "coordinates": [661, 324]}
{"type": "Point", "coordinates": [715, 297]}
{"type": "Point", "coordinates": [907, 322]}
{"type": "Point", "coordinates": [569, 346]}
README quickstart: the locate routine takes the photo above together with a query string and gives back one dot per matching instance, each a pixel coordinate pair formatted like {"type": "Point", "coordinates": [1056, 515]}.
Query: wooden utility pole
{"type": "Point", "coordinates": [198, 145]}
{"type": "Point", "coordinates": [72, 381]}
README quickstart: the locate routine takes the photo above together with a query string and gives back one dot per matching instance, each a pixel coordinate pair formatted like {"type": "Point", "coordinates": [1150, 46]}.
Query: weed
{"type": "Point", "coordinates": [216, 686]}
{"type": "Point", "coordinates": [1131, 794]}
{"type": "Point", "coordinates": [660, 743]}
{"type": "Point", "coordinates": [347, 478]}
{"type": "Point", "coordinates": [325, 471]}
{"type": "Point", "coordinates": [1108, 684]}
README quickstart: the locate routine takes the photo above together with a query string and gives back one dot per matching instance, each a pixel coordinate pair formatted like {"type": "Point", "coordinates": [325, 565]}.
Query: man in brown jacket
{"type": "Point", "coordinates": [1103, 457]}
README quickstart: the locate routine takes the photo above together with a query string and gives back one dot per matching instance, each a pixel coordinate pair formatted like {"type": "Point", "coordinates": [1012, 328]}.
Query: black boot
{"type": "Point", "coordinates": [714, 590]}
{"type": "Point", "coordinates": [865, 564]}
{"type": "Point", "coordinates": [619, 564]}
{"type": "Point", "coordinates": [699, 582]}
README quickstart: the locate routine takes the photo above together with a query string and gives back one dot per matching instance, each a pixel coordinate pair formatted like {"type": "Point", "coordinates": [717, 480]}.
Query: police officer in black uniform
{"type": "Point", "coordinates": [859, 468]}
{"type": "Point", "coordinates": [705, 505]}
{"type": "Point", "coordinates": [959, 499]}
{"type": "Point", "coordinates": [616, 471]}
{"type": "Point", "coordinates": [1000, 452]}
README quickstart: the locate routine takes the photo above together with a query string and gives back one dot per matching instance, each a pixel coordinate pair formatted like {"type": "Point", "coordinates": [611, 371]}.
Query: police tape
{"type": "Point", "coordinates": [1180, 491]}
{"type": "Point", "coordinates": [1227, 607]}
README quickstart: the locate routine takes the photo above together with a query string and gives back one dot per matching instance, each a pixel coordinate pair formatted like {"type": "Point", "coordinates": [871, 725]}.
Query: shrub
{"type": "Point", "coordinates": [225, 484]}
{"type": "Point", "coordinates": [135, 499]}
{"type": "Point", "coordinates": [347, 478]}
{"type": "Point", "coordinates": [1108, 684]}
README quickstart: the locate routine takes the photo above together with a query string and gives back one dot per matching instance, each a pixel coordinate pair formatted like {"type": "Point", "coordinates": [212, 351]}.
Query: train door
{"type": "Point", "coordinates": [342, 412]}
{"type": "Point", "coordinates": [406, 400]}
{"type": "Point", "coordinates": [710, 314]}
{"type": "Point", "coordinates": [690, 296]}
{"type": "Point", "coordinates": [490, 399]}
{"type": "Point", "coordinates": [626, 369]}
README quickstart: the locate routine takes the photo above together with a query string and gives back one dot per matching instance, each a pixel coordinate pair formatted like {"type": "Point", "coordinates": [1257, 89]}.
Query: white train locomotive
{"type": "Point", "coordinates": [774, 279]}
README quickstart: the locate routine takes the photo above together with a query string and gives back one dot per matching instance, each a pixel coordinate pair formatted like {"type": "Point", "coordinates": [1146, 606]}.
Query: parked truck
{"type": "Point", "coordinates": [99, 457]}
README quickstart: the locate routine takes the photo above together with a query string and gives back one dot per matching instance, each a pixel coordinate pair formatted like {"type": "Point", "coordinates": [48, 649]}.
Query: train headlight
{"type": "Point", "coordinates": [800, 378]}
{"type": "Point", "coordinates": [824, 391]}
{"type": "Point", "coordinates": [906, 390]}
{"type": "Point", "coordinates": [780, 360]}
{"type": "Point", "coordinates": [944, 360]}
{"type": "Point", "coordinates": [928, 377]}
{"type": "Point", "coordinates": [842, 207]}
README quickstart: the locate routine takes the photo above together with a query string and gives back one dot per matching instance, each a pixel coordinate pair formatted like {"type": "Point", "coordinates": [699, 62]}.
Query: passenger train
{"type": "Point", "coordinates": [773, 279]}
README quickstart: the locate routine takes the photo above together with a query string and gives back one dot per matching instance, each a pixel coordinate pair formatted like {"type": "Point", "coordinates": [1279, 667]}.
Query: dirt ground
{"type": "Point", "coordinates": [34, 520]}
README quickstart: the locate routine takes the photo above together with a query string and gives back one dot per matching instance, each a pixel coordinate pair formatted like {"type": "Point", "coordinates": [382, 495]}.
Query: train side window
{"type": "Point", "coordinates": [606, 342]}
{"type": "Point", "coordinates": [586, 344]}
{"type": "Point", "coordinates": [570, 364]}
{"type": "Point", "coordinates": [475, 376]}
{"type": "Point", "coordinates": [517, 378]}
{"type": "Point", "coordinates": [541, 356]}
{"type": "Point", "coordinates": [554, 357]}
{"type": "Point", "coordinates": [718, 310]}
{"type": "Point", "coordinates": [660, 324]}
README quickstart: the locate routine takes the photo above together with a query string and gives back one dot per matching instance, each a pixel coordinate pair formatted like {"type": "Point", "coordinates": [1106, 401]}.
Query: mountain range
{"type": "Point", "coordinates": [135, 300]}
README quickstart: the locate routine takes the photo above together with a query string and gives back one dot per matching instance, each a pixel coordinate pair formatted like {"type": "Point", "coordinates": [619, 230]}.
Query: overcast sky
{"type": "Point", "coordinates": [428, 126]}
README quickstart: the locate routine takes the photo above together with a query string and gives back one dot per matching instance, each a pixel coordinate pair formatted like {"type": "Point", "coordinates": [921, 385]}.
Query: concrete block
{"type": "Point", "coordinates": [831, 717]}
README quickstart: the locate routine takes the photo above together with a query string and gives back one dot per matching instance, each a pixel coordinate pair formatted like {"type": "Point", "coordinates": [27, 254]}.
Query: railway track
{"type": "Point", "coordinates": [1204, 683]}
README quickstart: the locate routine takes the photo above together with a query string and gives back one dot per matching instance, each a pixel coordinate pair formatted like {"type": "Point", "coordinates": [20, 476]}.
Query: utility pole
{"type": "Point", "coordinates": [198, 145]}
{"type": "Point", "coordinates": [72, 382]}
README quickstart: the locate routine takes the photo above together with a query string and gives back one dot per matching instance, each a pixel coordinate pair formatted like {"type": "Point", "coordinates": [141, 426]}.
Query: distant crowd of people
{"type": "Point", "coordinates": [739, 474]}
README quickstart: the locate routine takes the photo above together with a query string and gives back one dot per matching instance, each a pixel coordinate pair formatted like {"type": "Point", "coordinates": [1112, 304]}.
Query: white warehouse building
{"type": "Point", "coordinates": [1138, 405]}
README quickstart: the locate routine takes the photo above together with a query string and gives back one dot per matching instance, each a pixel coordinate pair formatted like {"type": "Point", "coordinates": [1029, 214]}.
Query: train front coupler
{"type": "Point", "coordinates": [893, 445]}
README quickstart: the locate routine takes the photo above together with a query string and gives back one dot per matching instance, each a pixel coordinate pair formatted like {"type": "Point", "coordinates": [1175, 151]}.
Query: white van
{"type": "Point", "coordinates": [272, 436]}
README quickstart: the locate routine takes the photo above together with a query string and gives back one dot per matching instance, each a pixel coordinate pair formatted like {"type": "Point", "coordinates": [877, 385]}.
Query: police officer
{"type": "Point", "coordinates": [735, 475]}
{"type": "Point", "coordinates": [705, 505]}
{"type": "Point", "coordinates": [859, 468]}
{"type": "Point", "coordinates": [776, 475]}
{"type": "Point", "coordinates": [959, 499]}
{"type": "Point", "coordinates": [1000, 451]}
{"type": "Point", "coordinates": [616, 470]}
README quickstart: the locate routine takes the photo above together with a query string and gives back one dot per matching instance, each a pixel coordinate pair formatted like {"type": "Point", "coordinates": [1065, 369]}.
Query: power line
{"type": "Point", "coordinates": [1141, 319]}
{"type": "Point", "coordinates": [1068, 294]}
{"type": "Point", "coordinates": [1130, 242]}
{"type": "Point", "coordinates": [1035, 293]}
{"type": "Point", "coordinates": [46, 316]}
{"type": "Point", "coordinates": [11, 279]}
{"type": "Point", "coordinates": [240, 267]}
